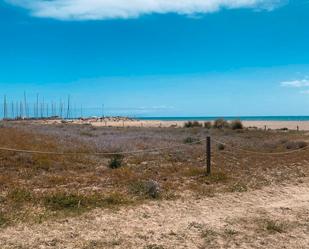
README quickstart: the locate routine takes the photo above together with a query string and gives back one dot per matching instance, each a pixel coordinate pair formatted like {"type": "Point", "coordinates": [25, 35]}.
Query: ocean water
{"type": "Point", "coordinates": [243, 118]}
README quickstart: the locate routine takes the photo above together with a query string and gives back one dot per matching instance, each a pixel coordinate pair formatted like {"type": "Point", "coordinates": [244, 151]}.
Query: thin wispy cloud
{"type": "Point", "coordinates": [111, 9]}
{"type": "Point", "coordinates": [296, 83]}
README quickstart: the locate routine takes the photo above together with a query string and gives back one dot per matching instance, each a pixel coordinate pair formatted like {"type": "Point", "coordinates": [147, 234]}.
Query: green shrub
{"type": "Point", "coordinates": [116, 161]}
{"type": "Point", "coordinates": [19, 195]}
{"type": "Point", "coordinates": [191, 124]}
{"type": "Point", "coordinates": [190, 140]}
{"type": "Point", "coordinates": [236, 125]}
{"type": "Point", "coordinates": [220, 124]}
{"type": "Point", "coordinates": [75, 202]}
{"type": "Point", "coordinates": [197, 124]}
{"type": "Point", "coordinates": [59, 201]}
{"type": "Point", "coordinates": [220, 146]}
{"type": "Point", "coordinates": [3, 220]}
{"type": "Point", "coordinates": [207, 125]}
{"type": "Point", "coordinates": [188, 124]}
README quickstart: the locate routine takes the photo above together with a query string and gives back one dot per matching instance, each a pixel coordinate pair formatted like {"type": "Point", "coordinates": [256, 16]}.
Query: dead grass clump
{"type": "Point", "coordinates": [190, 140]}
{"type": "Point", "coordinates": [218, 177]}
{"type": "Point", "coordinates": [123, 174]}
{"type": "Point", "coordinates": [87, 134]}
{"type": "Point", "coordinates": [274, 226]}
{"type": "Point", "coordinates": [116, 161]}
{"type": "Point", "coordinates": [202, 189]}
{"type": "Point", "coordinates": [220, 124]}
{"type": "Point", "coordinates": [25, 159]}
{"type": "Point", "coordinates": [272, 145]}
{"type": "Point", "coordinates": [93, 244]}
{"type": "Point", "coordinates": [114, 199]}
{"type": "Point", "coordinates": [137, 188]}
{"type": "Point", "coordinates": [195, 171]}
{"type": "Point", "coordinates": [55, 180]}
{"type": "Point", "coordinates": [296, 145]}
{"type": "Point", "coordinates": [283, 140]}
{"type": "Point", "coordinates": [6, 181]}
{"type": "Point", "coordinates": [154, 246]}
{"type": "Point", "coordinates": [146, 188]}
{"type": "Point", "coordinates": [102, 244]}
{"type": "Point", "coordinates": [230, 232]}
{"type": "Point", "coordinates": [208, 234]}
{"type": "Point", "coordinates": [238, 187]}
{"type": "Point", "coordinates": [42, 162]}
{"type": "Point", "coordinates": [214, 177]}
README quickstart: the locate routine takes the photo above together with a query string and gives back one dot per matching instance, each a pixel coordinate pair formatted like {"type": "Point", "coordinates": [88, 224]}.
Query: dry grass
{"type": "Point", "coordinates": [36, 187]}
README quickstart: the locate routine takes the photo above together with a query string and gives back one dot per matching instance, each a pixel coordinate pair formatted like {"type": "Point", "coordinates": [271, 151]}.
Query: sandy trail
{"type": "Point", "coordinates": [233, 220]}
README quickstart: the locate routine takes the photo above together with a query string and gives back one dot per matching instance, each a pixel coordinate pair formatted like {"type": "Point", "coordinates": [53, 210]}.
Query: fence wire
{"type": "Point", "coordinates": [158, 149]}
{"type": "Point", "coordinates": [100, 153]}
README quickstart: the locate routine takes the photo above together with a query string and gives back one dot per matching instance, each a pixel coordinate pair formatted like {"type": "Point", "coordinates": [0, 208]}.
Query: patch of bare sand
{"type": "Point", "coordinates": [291, 125]}
{"type": "Point", "coordinates": [274, 217]}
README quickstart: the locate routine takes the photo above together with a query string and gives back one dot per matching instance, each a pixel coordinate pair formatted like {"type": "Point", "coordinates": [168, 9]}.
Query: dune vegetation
{"type": "Point", "coordinates": [41, 188]}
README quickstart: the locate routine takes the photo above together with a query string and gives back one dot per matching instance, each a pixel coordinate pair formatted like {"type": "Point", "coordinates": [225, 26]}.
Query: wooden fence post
{"type": "Point", "coordinates": [208, 156]}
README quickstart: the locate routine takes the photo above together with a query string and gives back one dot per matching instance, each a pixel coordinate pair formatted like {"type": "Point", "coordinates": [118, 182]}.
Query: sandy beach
{"type": "Point", "coordinates": [291, 125]}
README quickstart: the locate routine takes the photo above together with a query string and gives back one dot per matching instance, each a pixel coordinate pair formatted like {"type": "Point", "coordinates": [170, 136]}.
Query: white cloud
{"type": "Point", "coordinates": [296, 83]}
{"type": "Point", "coordinates": [109, 9]}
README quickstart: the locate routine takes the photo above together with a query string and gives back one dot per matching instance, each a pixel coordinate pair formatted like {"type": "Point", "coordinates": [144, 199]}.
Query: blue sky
{"type": "Point", "coordinates": [238, 57]}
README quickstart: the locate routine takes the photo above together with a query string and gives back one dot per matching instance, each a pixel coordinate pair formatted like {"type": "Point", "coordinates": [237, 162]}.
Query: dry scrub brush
{"type": "Point", "coordinates": [36, 187]}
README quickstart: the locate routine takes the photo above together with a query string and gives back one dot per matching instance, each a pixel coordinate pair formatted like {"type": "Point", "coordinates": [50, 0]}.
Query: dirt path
{"type": "Point", "coordinates": [275, 217]}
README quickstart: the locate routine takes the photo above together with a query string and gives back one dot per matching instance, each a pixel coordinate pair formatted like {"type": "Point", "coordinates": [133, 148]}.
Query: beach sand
{"type": "Point", "coordinates": [232, 220]}
{"type": "Point", "coordinates": [291, 125]}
